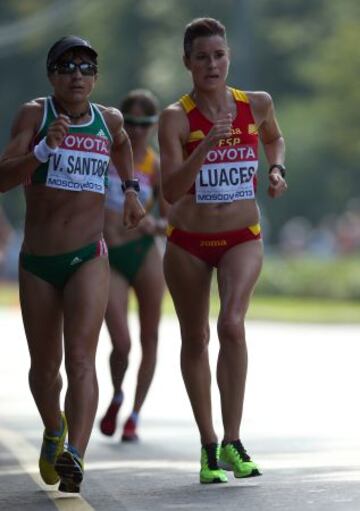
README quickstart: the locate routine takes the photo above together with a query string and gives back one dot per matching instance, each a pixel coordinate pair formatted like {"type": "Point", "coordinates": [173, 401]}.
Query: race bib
{"type": "Point", "coordinates": [227, 175]}
{"type": "Point", "coordinates": [80, 164]}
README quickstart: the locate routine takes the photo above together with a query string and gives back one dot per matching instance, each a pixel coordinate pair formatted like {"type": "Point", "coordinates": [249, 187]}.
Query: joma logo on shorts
{"type": "Point", "coordinates": [213, 243]}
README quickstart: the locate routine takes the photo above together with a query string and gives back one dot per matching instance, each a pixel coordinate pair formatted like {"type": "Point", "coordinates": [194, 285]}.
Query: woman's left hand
{"type": "Point", "coordinates": [277, 185]}
{"type": "Point", "coordinates": [133, 210]}
{"type": "Point", "coordinates": [148, 225]}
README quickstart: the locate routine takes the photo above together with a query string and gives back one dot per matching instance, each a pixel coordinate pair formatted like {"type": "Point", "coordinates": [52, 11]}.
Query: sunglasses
{"type": "Point", "coordinates": [70, 67]}
{"type": "Point", "coordinates": [141, 121]}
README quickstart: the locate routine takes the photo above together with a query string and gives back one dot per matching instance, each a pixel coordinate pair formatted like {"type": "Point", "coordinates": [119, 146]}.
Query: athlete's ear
{"type": "Point", "coordinates": [51, 78]}
{"type": "Point", "coordinates": [186, 62]}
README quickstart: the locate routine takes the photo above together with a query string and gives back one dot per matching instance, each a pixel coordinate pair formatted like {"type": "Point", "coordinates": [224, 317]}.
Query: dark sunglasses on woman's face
{"type": "Point", "coordinates": [69, 67]}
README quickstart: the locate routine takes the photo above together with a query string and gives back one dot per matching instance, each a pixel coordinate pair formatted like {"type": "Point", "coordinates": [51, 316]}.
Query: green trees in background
{"type": "Point", "coordinates": [319, 65]}
{"type": "Point", "coordinates": [304, 53]}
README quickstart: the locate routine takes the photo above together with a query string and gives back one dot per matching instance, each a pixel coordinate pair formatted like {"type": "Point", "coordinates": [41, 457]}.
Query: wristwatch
{"type": "Point", "coordinates": [282, 169]}
{"type": "Point", "coordinates": [132, 184]}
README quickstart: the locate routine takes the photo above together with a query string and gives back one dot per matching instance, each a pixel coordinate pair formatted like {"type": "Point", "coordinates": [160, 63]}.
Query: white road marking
{"type": "Point", "coordinates": [25, 453]}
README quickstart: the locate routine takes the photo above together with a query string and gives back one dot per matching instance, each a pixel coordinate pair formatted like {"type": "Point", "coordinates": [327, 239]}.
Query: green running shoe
{"type": "Point", "coordinates": [210, 471]}
{"type": "Point", "coordinates": [234, 457]}
{"type": "Point", "coordinates": [52, 446]}
{"type": "Point", "coordinates": [70, 469]}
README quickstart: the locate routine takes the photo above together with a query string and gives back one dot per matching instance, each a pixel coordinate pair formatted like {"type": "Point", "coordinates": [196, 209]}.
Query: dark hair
{"type": "Point", "coordinates": [201, 27]}
{"type": "Point", "coordinates": [142, 97]}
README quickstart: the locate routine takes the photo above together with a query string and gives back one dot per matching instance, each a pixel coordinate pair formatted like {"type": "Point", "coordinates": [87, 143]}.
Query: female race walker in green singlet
{"type": "Point", "coordinates": [60, 149]}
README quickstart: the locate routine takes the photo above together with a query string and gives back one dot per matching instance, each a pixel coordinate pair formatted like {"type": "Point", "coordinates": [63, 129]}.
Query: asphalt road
{"type": "Point", "coordinates": [301, 424]}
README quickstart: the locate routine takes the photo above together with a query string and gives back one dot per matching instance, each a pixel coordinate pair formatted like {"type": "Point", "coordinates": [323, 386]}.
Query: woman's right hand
{"type": "Point", "coordinates": [57, 131]}
{"type": "Point", "coordinates": [221, 129]}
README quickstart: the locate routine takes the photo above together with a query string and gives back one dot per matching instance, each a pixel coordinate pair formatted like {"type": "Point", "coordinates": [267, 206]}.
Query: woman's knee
{"type": "Point", "coordinates": [196, 342]}
{"type": "Point", "coordinates": [121, 348]}
{"type": "Point", "coordinates": [79, 366]}
{"type": "Point", "coordinates": [231, 329]}
{"type": "Point", "coordinates": [44, 375]}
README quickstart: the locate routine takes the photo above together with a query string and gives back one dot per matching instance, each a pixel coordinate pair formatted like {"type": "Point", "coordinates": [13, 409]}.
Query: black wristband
{"type": "Point", "coordinates": [280, 167]}
{"type": "Point", "coordinates": [130, 183]}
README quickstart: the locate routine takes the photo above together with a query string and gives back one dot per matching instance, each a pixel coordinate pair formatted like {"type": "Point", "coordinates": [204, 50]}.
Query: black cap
{"type": "Point", "coordinates": [67, 43]}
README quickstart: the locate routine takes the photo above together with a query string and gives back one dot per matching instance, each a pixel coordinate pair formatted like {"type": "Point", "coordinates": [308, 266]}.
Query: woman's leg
{"type": "Point", "coordinates": [149, 288]}
{"type": "Point", "coordinates": [85, 299]}
{"type": "Point", "coordinates": [41, 307]}
{"type": "Point", "coordinates": [238, 272]}
{"type": "Point", "coordinates": [116, 318]}
{"type": "Point", "coordinates": [189, 280]}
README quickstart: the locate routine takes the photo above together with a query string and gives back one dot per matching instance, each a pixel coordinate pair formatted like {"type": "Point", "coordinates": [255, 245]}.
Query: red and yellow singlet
{"type": "Point", "coordinates": [229, 171]}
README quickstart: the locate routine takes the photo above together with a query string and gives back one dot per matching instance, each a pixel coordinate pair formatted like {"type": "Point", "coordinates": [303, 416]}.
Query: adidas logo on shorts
{"type": "Point", "coordinates": [76, 260]}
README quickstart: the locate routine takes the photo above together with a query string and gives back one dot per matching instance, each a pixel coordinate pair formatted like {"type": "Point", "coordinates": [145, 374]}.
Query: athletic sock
{"type": "Point", "coordinates": [50, 432]}
{"type": "Point", "coordinates": [73, 450]}
{"type": "Point", "coordinates": [118, 398]}
{"type": "Point", "coordinates": [134, 417]}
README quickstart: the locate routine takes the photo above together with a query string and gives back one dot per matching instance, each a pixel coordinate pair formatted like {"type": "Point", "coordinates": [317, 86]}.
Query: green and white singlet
{"type": "Point", "coordinates": [81, 161]}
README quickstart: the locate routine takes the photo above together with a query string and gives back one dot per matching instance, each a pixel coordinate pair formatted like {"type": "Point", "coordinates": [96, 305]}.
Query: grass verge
{"type": "Point", "coordinates": [289, 309]}
{"type": "Point", "coordinates": [267, 308]}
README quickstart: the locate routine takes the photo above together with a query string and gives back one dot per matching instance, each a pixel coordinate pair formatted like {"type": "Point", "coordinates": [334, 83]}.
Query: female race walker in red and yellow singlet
{"type": "Point", "coordinates": [60, 149]}
{"type": "Point", "coordinates": [209, 160]}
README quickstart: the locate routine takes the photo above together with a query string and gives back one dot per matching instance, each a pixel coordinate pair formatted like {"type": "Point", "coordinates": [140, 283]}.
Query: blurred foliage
{"type": "Point", "coordinates": [300, 277]}
{"type": "Point", "coordinates": [306, 54]}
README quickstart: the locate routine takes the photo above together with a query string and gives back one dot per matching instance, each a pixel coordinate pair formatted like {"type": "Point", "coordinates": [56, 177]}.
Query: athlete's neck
{"type": "Point", "coordinates": [213, 103]}
{"type": "Point", "coordinates": [74, 112]}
